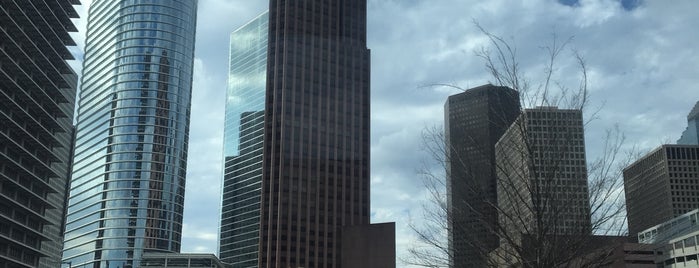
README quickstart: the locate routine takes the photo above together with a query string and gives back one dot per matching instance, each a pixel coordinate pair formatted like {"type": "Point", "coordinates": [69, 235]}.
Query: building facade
{"type": "Point", "coordinates": [316, 146]}
{"type": "Point", "coordinates": [690, 136]}
{"type": "Point", "coordinates": [127, 189]}
{"type": "Point", "coordinates": [542, 174]}
{"type": "Point", "coordinates": [177, 260]}
{"type": "Point", "coordinates": [37, 98]}
{"type": "Point", "coordinates": [662, 185]}
{"type": "Point", "coordinates": [474, 121]}
{"type": "Point", "coordinates": [243, 139]}
{"type": "Point", "coordinates": [674, 241]}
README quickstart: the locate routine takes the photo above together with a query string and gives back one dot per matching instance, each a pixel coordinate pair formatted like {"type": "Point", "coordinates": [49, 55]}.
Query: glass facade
{"type": "Point", "coordinates": [37, 99]}
{"type": "Point", "coordinates": [243, 136]}
{"type": "Point", "coordinates": [127, 189]}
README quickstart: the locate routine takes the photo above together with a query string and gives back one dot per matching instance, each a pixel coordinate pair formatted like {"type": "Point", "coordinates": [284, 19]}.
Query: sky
{"type": "Point", "coordinates": [641, 56]}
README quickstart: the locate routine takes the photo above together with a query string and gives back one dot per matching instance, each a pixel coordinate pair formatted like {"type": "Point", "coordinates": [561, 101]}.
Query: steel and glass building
{"type": "Point", "coordinates": [37, 98]}
{"type": "Point", "coordinates": [243, 137]}
{"type": "Point", "coordinates": [127, 189]}
{"type": "Point", "coordinates": [690, 136]}
{"type": "Point", "coordinates": [316, 147]}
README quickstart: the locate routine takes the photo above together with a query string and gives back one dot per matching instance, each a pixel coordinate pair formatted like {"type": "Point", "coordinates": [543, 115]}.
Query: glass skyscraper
{"type": "Point", "coordinates": [243, 136]}
{"type": "Point", "coordinates": [37, 99]}
{"type": "Point", "coordinates": [127, 189]}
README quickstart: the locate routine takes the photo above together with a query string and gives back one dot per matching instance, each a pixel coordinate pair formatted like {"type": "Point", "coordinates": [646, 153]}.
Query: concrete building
{"type": "Point", "coordinates": [662, 185]}
{"type": "Point", "coordinates": [37, 99]}
{"type": "Point", "coordinates": [542, 173]}
{"type": "Point", "coordinates": [127, 189]}
{"type": "Point", "coordinates": [180, 260]}
{"type": "Point", "coordinates": [474, 121]}
{"type": "Point", "coordinates": [369, 246]}
{"type": "Point", "coordinates": [242, 142]}
{"type": "Point", "coordinates": [690, 136]}
{"type": "Point", "coordinates": [675, 241]}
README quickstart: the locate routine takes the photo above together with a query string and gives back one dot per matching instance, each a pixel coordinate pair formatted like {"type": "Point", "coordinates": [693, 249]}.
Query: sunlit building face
{"type": "Point", "coordinates": [127, 190]}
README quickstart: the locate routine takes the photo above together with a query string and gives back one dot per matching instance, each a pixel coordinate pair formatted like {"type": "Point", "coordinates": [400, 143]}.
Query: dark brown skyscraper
{"type": "Point", "coordinates": [474, 121]}
{"type": "Point", "coordinates": [316, 145]}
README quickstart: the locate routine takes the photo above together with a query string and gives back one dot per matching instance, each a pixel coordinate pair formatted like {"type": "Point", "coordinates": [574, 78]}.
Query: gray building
{"type": "Point", "coordinates": [542, 174]}
{"type": "Point", "coordinates": [675, 241]}
{"type": "Point", "coordinates": [662, 185]}
{"type": "Point", "coordinates": [242, 144]}
{"type": "Point", "coordinates": [180, 260]}
{"type": "Point", "coordinates": [690, 135]}
{"type": "Point", "coordinates": [474, 121]}
{"type": "Point", "coordinates": [127, 189]}
{"type": "Point", "coordinates": [37, 98]}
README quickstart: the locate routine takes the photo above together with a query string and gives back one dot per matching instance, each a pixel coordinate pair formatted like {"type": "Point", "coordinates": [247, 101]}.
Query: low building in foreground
{"type": "Point", "coordinates": [180, 260]}
{"type": "Point", "coordinates": [369, 246]}
{"type": "Point", "coordinates": [675, 241]}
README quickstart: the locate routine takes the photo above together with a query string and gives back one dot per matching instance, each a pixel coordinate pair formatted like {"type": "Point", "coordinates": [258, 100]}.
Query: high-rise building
{"type": "Point", "coordinates": [662, 185]}
{"type": "Point", "coordinates": [37, 98]}
{"type": "Point", "coordinates": [316, 146]}
{"type": "Point", "coordinates": [542, 174]}
{"type": "Point", "coordinates": [127, 189]}
{"type": "Point", "coordinates": [690, 136]}
{"type": "Point", "coordinates": [242, 142]}
{"type": "Point", "coordinates": [474, 121]}
{"type": "Point", "coordinates": [297, 141]}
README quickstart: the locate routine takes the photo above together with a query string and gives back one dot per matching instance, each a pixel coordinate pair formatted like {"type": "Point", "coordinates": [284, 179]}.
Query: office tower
{"type": "Point", "coordinates": [316, 146]}
{"type": "Point", "coordinates": [243, 136]}
{"type": "Point", "coordinates": [474, 121]}
{"type": "Point", "coordinates": [127, 189]}
{"type": "Point", "coordinates": [37, 96]}
{"type": "Point", "coordinates": [690, 136]}
{"type": "Point", "coordinates": [542, 174]}
{"type": "Point", "coordinates": [662, 185]}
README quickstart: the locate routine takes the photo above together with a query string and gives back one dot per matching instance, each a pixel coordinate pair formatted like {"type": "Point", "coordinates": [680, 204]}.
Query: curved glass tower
{"type": "Point", "coordinates": [127, 189]}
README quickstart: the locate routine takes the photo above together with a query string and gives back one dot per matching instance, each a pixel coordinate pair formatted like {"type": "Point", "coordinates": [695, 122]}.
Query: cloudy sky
{"type": "Point", "coordinates": [641, 55]}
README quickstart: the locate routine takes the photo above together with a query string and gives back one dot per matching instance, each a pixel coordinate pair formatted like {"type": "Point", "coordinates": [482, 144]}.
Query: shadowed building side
{"type": "Point", "coordinates": [37, 99]}
{"type": "Point", "coordinates": [474, 121]}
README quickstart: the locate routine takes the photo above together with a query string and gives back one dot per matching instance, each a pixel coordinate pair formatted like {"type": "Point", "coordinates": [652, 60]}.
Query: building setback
{"type": "Point", "coordinates": [316, 146]}
{"type": "Point", "coordinates": [127, 189]}
{"type": "Point", "coordinates": [474, 121]}
{"type": "Point", "coordinates": [662, 185]}
{"type": "Point", "coordinates": [242, 142]}
{"type": "Point", "coordinates": [690, 136]}
{"type": "Point", "coordinates": [542, 174]}
{"type": "Point", "coordinates": [37, 97]}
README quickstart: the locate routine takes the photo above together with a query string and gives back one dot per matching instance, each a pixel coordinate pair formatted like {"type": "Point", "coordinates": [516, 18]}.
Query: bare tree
{"type": "Point", "coordinates": [542, 177]}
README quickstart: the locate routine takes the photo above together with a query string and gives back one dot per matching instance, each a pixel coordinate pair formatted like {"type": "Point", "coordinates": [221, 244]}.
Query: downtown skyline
{"type": "Point", "coordinates": [410, 50]}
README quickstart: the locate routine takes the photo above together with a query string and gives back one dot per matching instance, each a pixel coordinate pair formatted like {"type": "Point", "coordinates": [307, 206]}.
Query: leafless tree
{"type": "Point", "coordinates": [538, 223]}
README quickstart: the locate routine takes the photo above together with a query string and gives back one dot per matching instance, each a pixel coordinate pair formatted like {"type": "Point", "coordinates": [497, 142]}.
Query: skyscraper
{"type": "Point", "coordinates": [542, 174]}
{"type": "Point", "coordinates": [297, 141]}
{"type": "Point", "coordinates": [243, 137]}
{"type": "Point", "coordinates": [37, 96]}
{"type": "Point", "coordinates": [690, 136]}
{"type": "Point", "coordinates": [662, 185]}
{"type": "Point", "coordinates": [127, 189]}
{"type": "Point", "coordinates": [316, 146]}
{"type": "Point", "coordinates": [474, 121]}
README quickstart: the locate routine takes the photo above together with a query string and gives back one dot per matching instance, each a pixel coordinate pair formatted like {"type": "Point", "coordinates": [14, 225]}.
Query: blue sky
{"type": "Point", "coordinates": [641, 55]}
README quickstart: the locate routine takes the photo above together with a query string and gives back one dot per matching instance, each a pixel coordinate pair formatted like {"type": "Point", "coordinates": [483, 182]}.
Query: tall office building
{"type": "Point", "coordinates": [127, 189]}
{"type": "Point", "coordinates": [474, 121]}
{"type": "Point", "coordinates": [243, 137]}
{"type": "Point", "coordinates": [690, 136]}
{"type": "Point", "coordinates": [542, 174]}
{"type": "Point", "coordinates": [662, 185]}
{"type": "Point", "coordinates": [316, 146]}
{"type": "Point", "coordinates": [37, 96]}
